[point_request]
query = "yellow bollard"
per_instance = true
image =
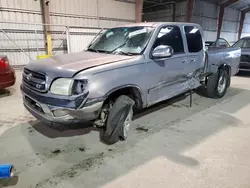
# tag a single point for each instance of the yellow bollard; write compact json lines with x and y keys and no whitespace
{"x":49,"y":45}
{"x":43,"y":56}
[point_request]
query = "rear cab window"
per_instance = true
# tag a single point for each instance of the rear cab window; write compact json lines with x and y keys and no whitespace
{"x":194,"y":39}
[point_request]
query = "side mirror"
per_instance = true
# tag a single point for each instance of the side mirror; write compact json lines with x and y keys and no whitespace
{"x":163,"y":51}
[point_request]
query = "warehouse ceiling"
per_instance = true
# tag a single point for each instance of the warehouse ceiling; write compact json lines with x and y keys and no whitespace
{"x":150,"y":5}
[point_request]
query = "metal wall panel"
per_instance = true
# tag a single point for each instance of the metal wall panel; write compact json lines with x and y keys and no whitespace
{"x":246,"y":28}
{"x":231,"y":15}
{"x":163,"y":15}
{"x":245,"y":35}
{"x":208,"y":24}
{"x":180,"y":18}
{"x":116,"y":9}
{"x":230,"y":37}
{"x":111,"y":23}
{"x":181,"y":8}
{"x":74,"y":21}
{"x":206,"y":14}
{"x":21,"y":4}
{"x":20,"y":17}
{"x":205,"y":9}
{"x":228,"y":26}
{"x":74,"y":7}
{"x":247,"y":18}
{"x":210,"y":35}
{"x":86,"y":13}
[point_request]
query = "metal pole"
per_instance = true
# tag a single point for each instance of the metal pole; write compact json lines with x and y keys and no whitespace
{"x":174,"y":12}
{"x":68,"y":39}
{"x":97,"y":9}
{"x":190,"y":9}
{"x":46,"y":21}
{"x":36,"y":43}
{"x":138,"y":10}
{"x":15,"y":43}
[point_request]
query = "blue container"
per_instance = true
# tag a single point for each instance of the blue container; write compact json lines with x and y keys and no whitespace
{"x":6,"y":171}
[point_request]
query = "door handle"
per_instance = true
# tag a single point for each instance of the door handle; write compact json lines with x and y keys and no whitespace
{"x":192,"y":61}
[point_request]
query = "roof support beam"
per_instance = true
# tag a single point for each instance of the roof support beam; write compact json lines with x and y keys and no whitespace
{"x":190,"y":9}
{"x":221,"y":14}
{"x":242,"y":19}
{"x":138,"y":10}
{"x":174,"y":12}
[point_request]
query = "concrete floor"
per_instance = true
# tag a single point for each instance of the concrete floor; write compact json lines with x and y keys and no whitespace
{"x":206,"y":146}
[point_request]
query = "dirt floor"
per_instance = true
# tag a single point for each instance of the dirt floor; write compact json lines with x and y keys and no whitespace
{"x":170,"y":145}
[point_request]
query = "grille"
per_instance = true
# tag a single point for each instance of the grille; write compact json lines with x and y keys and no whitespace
{"x":245,"y":58}
{"x":34,"y":80}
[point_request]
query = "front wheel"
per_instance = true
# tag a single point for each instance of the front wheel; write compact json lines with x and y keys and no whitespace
{"x":119,"y":120}
{"x":217,"y":84}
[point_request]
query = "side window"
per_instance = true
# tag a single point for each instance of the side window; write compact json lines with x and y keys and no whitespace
{"x":239,"y":44}
{"x":222,"y":43}
{"x":171,"y":36}
{"x":246,"y":44}
{"x":194,"y":39}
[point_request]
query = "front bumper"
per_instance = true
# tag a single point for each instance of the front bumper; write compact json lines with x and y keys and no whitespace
{"x":46,"y":113}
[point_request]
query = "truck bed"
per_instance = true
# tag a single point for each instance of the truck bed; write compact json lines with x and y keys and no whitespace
{"x":218,"y":56}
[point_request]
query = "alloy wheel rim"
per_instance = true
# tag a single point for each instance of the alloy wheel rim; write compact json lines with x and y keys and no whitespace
{"x":222,"y":83}
{"x":127,"y":124}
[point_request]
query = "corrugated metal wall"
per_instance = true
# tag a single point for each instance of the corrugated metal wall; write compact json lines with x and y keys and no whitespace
{"x":166,"y":15}
{"x":181,"y":10}
{"x":78,"y":14}
{"x":161,"y":15}
{"x":246,"y":27}
{"x":92,"y":13}
{"x":206,"y":14}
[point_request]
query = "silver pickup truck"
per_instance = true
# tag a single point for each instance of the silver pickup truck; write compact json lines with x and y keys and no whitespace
{"x":126,"y":68}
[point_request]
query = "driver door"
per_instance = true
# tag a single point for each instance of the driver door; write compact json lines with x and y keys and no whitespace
{"x":165,"y":75}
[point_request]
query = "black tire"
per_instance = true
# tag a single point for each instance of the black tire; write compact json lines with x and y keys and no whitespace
{"x":213,"y":83}
{"x":115,"y":122}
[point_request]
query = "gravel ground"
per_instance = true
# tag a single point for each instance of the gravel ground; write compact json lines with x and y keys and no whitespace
{"x":170,"y":145}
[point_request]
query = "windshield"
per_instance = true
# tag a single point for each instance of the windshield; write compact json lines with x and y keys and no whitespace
{"x":243,"y":43}
{"x":122,"y":40}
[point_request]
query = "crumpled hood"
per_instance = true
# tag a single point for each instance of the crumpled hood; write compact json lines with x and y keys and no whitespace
{"x":67,"y":65}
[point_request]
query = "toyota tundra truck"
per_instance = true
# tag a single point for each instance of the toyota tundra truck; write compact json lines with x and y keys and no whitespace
{"x":124,"y":69}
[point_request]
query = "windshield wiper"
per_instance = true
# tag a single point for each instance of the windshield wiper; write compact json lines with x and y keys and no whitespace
{"x":93,"y":50}
{"x":98,"y":51}
{"x":125,"y":53}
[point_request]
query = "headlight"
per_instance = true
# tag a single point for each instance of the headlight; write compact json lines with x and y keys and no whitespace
{"x":68,"y":86}
{"x":62,"y":86}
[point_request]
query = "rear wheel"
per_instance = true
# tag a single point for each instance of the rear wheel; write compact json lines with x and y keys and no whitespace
{"x":119,"y":120}
{"x":217,"y":84}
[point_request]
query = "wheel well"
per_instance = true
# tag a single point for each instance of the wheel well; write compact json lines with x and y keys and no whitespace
{"x":132,"y":92}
